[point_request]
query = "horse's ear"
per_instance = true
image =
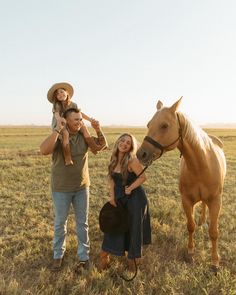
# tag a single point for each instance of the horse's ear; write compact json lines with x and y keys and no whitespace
{"x":176,"y":105}
{"x":159,"y":105}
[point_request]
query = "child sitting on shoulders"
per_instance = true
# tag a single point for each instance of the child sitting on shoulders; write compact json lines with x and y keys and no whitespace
{"x":60,"y":95}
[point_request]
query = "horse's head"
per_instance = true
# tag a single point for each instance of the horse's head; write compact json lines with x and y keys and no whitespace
{"x":163,"y":133}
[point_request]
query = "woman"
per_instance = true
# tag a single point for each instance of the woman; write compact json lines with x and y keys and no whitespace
{"x":124,"y":184}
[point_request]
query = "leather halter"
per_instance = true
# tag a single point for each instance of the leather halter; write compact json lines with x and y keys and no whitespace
{"x":163,"y":147}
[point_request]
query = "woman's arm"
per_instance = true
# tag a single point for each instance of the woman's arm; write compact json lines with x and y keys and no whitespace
{"x":137,"y":168}
{"x":111,"y":186}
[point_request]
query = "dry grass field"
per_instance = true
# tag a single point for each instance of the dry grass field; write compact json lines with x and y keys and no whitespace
{"x":26,"y":226}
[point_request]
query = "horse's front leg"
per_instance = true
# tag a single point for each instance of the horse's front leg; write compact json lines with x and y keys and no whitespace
{"x":188,"y":209}
{"x":214,"y":210}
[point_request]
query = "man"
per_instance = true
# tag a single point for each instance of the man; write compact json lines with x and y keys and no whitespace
{"x":70,"y":184}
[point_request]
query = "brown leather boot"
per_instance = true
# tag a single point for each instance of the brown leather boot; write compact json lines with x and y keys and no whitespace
{"x":104,"y":260}
{"x":131,"y":264}
{"x":56,"y":264}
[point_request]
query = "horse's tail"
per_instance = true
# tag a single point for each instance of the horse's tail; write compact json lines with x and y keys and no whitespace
{"x":202,"y":219}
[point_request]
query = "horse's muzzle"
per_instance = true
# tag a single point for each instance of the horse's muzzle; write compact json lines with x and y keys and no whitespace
{"x":144,"y":156}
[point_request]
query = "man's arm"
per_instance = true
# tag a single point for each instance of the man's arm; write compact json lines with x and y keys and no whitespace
{"x":98,"y":143}
{"x":47,"y":146}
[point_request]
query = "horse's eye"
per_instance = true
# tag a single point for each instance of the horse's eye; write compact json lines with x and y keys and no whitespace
{"x":164,"y":126}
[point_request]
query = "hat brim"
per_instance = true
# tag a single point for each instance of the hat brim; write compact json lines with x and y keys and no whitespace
{"x":113,"y":219}
{"x":60,"y":85}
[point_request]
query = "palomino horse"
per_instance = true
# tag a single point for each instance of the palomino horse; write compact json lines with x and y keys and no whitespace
{"x":202,"y":168}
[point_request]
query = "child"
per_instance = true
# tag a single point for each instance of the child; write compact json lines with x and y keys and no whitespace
{"x":60,"y":96}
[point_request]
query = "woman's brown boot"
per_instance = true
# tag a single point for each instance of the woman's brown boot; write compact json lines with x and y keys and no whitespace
{"x":131,"y":264}
{"x":104,"y":260}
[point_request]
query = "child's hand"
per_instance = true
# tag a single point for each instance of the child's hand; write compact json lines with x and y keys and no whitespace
{"x":95,"y":124}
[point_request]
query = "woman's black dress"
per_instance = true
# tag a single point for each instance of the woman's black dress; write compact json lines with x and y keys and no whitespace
{"x":140,"y":229}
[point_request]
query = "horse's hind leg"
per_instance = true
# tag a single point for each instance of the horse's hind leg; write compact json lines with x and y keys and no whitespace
{"x":214,"y":209}
{"x":188,"y":209}
{"x":202,"y":219}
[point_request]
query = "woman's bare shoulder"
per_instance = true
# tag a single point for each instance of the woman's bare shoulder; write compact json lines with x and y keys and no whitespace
{"x":133,"y":162}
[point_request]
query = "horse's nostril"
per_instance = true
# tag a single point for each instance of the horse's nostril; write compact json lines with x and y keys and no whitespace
{"x":144,"y":155}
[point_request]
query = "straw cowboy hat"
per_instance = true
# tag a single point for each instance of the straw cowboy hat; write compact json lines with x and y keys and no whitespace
{"x":60,"y":85}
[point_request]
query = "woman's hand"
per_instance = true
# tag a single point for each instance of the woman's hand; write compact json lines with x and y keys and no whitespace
{"x":128,"y":190}
{"x":113,"y":202}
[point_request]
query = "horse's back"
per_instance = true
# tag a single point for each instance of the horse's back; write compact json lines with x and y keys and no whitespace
{"x":216,"y":140}
{"x":218,"y":155}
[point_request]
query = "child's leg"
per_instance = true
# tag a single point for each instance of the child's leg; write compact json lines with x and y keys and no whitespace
{"x":57,"y":115}
{"x":66,"y":147}
{"x":86,"y":117}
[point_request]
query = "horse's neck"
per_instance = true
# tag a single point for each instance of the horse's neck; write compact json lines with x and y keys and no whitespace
{"x":194,"y":157}
{"x":193,"y":147}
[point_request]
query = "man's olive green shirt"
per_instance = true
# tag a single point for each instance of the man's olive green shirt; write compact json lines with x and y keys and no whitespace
{"x":74,"y":177}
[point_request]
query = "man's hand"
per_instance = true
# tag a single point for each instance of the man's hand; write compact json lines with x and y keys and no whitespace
{"x":61,"y":122}
{"x":47,"y":146}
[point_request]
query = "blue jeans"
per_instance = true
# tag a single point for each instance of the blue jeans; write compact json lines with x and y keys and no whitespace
{"x":62,"y":203}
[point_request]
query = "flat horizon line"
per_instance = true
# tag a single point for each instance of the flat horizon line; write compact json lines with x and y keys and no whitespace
{"x":205,"y":125}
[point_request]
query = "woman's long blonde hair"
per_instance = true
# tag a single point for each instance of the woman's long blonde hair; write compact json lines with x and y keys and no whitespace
{"x":125,"y":160}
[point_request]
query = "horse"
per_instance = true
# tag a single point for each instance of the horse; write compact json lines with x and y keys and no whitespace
{"x":202,"y":167}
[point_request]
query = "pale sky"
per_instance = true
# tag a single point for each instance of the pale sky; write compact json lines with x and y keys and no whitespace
{"x":121,"y":56}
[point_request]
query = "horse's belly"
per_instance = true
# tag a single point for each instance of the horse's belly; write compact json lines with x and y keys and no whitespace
{"x":200,"y":191}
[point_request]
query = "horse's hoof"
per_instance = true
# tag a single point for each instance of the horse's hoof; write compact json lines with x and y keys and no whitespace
{"x":188,"y":258}
{"x":215,"y":269}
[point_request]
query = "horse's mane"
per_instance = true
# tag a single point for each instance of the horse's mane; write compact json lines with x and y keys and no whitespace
{"x":193,"y":133}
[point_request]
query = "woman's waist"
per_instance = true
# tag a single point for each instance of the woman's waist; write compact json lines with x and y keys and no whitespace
{"x":119,"y":191}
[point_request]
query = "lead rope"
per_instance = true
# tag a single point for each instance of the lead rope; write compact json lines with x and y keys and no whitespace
{"x":132,"y":241}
